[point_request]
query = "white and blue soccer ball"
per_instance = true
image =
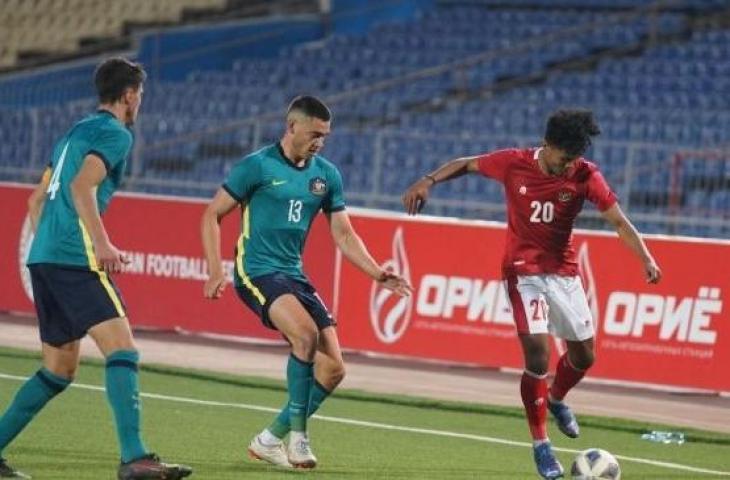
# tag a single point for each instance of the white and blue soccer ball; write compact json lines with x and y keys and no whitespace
{"x":595,"y":464}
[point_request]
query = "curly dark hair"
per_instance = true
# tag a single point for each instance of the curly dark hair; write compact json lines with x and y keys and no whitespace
{"x":571,"y":130}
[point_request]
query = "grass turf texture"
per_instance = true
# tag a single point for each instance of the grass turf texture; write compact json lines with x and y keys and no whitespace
{"x":74,"y":437}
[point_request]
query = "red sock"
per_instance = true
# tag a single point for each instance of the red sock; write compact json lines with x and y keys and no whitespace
{"x":534,"y":397}
{"x":566,"y":377}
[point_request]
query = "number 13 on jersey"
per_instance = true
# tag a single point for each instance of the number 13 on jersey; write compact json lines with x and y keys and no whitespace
{"x":295,"y":211}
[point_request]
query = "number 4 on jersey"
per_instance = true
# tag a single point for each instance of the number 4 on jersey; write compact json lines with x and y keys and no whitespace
{"x":55,"y":182}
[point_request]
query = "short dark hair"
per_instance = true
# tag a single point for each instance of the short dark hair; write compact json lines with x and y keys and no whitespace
{"x":114,"y":75}
{"x":311,"y":107}
{"x":571,"y":130}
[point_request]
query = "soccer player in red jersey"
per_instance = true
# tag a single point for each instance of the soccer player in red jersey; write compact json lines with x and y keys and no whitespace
{"x":545,"y":189}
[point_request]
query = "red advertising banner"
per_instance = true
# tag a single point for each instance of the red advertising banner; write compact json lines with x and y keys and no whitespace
{"x":163,"y":285}
{"x":676,"y":333}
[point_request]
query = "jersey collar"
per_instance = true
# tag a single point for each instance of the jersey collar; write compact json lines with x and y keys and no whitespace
{"x":288,"y":161}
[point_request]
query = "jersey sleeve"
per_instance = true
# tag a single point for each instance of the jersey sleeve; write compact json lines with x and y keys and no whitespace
{"x":112,"y":146}
{"x":335,"y":199}
{"x":494,"y":164}
{"x":599,"y":193}
{"x":243,"y":179}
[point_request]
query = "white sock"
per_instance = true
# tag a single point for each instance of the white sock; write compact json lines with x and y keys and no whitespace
{"x":269,"y":439}
{"x":537,"y":443}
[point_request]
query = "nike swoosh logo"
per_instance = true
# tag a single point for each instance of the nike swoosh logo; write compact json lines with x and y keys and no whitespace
{"x":276,"y":183}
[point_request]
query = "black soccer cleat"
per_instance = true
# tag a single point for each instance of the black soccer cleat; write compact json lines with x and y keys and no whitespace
{"x":150,"y":467}
{"x":6,"y":471}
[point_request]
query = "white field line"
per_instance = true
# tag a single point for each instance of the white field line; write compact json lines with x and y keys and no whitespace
{"x":385,"y":426}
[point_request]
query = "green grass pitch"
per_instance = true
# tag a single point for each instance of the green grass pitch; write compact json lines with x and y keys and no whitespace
{"x":206,"y":420}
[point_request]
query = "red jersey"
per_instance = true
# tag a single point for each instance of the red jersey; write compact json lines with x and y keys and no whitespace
{"x":541,"y":209}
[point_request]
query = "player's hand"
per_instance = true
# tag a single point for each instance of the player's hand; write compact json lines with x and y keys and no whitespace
{"x":109,"y":258}
{"x":215,"y":285}
{"x":415,"y":197}
{"x":653,"y":272}
{"x":396,"y":283}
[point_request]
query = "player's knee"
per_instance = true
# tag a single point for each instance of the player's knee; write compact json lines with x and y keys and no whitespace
{"x":304,"y":343}
{"x":585,"y":360}
{"x":537,"y":362}
{"x":337,"y":374}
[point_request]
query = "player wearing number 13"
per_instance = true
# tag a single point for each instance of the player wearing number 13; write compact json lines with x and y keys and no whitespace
{"x":280,"y":189}
{"x":545,"y":189}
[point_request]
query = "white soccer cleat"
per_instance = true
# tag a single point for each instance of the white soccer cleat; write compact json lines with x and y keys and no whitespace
{"x":300,"y":452}
{"x":273,"y":454}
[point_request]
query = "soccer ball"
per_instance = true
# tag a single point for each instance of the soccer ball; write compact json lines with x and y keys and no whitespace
{"x":595,"y":464}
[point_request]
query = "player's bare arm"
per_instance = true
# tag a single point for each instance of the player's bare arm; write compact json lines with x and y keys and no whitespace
{"x":38,"y":198}
{"x":210,"y":231}
{"x":630,"y":236}
{"x":83,"y":191}
{"x":352,"y":246}
{"x":414,"y":199}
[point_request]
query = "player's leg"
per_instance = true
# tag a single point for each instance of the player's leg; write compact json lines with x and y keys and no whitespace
{"x":529,"y":307}
{"x":572,"y":320}
{"x":290,"y":317}
{"x":114,"y":339}
{"x":277,"y":299}
{"x":533,"y":385}
{"x":60,"y":360}
{"x":329,"y":368}
{"x":329,"y":371}
{"x":533,"y":388}
{"x":572,"y":367}
{"x":59,"y":367}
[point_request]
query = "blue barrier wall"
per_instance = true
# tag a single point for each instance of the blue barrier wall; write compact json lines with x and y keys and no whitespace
{"x":359,"y":16}
{"x":171,"y":54}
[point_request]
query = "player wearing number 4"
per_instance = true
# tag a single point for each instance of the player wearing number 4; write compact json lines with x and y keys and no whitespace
{"x":280,"y":190}
{"x":70,"y":263}
{"x":545,"y":189}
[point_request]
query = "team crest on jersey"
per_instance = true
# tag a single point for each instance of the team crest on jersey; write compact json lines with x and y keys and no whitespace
{"x":318,"y":186}
{"x":565,"y":196}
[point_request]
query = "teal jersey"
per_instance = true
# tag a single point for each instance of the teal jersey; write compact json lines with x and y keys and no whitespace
{"x":61,"y":238}
{"x":281,"y":204}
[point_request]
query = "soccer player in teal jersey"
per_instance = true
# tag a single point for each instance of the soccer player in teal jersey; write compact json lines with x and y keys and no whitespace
{"x":70,"y":263}
{"x":281,"y":188}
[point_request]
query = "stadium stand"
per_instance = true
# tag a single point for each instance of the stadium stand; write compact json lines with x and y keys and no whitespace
{"x":483,"y":75}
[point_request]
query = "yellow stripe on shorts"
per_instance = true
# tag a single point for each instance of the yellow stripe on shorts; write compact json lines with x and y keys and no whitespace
{"x":245,"y":233}
{"x":102,"y":274}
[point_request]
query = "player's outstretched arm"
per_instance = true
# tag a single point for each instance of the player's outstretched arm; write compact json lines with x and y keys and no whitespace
{"x":38,"y":198}
{"x":83,"y":192}
{"x":210,"y":231}
{"x":630,"y":236}
{"x":352,"y":246}
{"x":416,"y":195}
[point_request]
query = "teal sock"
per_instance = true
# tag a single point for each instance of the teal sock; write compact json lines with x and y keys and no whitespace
{"x":299,"y":376}
{"x":281,"y":426}
{"x":32,"y":396}
{"x":122,"y":390}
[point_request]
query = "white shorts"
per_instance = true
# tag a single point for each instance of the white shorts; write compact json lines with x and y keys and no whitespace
{"x":550,"y":304}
